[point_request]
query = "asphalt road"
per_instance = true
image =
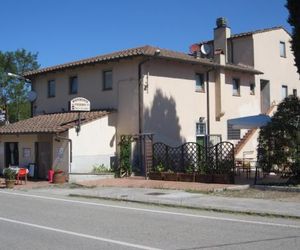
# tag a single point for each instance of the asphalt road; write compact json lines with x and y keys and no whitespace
{"x":34,"y":221}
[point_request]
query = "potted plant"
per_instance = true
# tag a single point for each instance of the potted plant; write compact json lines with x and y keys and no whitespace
{"x":10,"y":177}
{"x":156,"y":174}
{"x":170,"y":175}
{"x":59,"y":176}
{"x":188,"y":175}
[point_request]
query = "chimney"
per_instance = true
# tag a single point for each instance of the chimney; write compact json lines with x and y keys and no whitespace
{"x":221,"y":33}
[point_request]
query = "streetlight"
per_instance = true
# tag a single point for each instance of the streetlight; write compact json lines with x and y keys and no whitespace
{"x":19,"y":77}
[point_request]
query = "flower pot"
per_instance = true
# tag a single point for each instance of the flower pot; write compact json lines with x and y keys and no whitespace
{"x":10,"y":183}
{"x":155,"y":176}
{"x":186,"y":177}
{"x":204,"y":178}
{"x":59,"y":178}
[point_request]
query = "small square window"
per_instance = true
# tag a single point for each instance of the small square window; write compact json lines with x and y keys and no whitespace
{"x":107,"y":80}
{"x":73,"y":85}
{"x":236,"y":87}
{"x":51,"y":88}
{"x":200,"y":87}
{"x":295,"y":92}
{"x":284,"y":91}
{"x":252,"y":88}
{"x":282,"y":49}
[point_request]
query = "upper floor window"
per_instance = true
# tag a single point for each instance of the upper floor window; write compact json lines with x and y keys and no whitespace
{"x":282,"y":49}
{"x":236,"y":87}
{"x":284,"y":91}
{"x":107,"y":80}
{"x":51,"y":88}
{"x":73,"y":85}
{"x":200,"y":87}
{"x":295,"y":92}
{"x":252,"y":88}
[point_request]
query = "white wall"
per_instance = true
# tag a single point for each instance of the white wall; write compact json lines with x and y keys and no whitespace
{"x":94,"y":145}
{"x":278,"y":70}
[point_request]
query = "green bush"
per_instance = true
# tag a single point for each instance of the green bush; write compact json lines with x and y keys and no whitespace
{"x":9,"y":174}
{"x":101,"y":168}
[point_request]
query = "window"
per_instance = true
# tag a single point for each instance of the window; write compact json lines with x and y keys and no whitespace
{"x":107,"y":80}
{"x":282,"y":49}
{"x":284,"y":91}
{"x":236,"y":87}
{"x":200,"y":128}
{"x":51,"y":88}
{"x":252,"y":88}
{"x":73,"y":85}
{"x":233,"y":134}
{"x":295,"y":92}
{"x":200,"y":83}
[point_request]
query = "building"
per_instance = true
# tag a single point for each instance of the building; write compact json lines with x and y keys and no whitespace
{"x":176,"y":96}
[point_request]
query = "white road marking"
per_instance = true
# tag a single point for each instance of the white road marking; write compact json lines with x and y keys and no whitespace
{"x":153,"y":211}
{"x":122,"y":243}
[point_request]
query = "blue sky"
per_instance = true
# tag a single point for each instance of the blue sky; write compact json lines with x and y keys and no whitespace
{"x":62,"y":31}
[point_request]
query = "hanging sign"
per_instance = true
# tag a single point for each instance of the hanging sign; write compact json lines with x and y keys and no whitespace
{"x":80,"y":104}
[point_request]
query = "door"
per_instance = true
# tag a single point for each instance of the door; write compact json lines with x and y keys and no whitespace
{"x":264,"y":96}
{"x":11,"y":154}
{"x":201,"y":140}
{"x":43,"y":159}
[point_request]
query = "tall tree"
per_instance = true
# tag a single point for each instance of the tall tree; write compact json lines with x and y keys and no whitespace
{"x":294,"y":20}
{"x":13,"y":91}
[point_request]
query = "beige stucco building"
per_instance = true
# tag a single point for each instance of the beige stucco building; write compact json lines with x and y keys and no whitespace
{"x":176,"y":96}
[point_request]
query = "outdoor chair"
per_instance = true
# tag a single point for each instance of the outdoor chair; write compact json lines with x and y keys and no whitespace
{"x":22,"y":173}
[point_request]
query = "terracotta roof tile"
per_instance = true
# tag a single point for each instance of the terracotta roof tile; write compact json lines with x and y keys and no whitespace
{"x":50,"y":123}
{"x":145,"y":51}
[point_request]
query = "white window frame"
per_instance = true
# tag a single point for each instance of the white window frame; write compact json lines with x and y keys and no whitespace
{"x":282,"y":49}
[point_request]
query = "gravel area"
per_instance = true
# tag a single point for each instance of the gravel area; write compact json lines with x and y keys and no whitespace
{"x":261,"y":194}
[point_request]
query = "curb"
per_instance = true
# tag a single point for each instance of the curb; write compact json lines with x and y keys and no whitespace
{"x":202,"y":208}
{"x":277,"y":188}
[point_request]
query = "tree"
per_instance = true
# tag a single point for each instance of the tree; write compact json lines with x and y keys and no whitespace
{"x":294,"y":20}
{"x":279,"y":140}
{"x":14,"y":91}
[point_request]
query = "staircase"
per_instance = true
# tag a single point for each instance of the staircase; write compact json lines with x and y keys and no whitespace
{"x":238,"y":147}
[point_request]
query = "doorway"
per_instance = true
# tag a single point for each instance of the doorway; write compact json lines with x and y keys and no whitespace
{"x":11,"y":154}
{"x":43,"y":159}
{"x":264,"y":96}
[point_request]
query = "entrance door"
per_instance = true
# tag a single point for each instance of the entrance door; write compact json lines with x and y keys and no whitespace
{"x":11,"y":154}
{"x":264,"y":96}
{"x":43,"y":159}
{"x":201,"y":140}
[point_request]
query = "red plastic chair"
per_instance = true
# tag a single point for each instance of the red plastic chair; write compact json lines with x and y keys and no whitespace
{"x":22,"y":174}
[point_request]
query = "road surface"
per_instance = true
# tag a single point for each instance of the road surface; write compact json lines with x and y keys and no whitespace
{"x":30,"y":220}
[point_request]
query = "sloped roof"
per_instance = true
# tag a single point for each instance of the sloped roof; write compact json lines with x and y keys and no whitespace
{"x":50,"y":123}
{"x":249,"y":33}
{"x":145,"y":51}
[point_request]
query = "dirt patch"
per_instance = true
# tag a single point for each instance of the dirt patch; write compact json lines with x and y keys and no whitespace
{"x":261,"y":194}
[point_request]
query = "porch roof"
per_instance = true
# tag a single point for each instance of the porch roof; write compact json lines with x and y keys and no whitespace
{"x":51,"y":123}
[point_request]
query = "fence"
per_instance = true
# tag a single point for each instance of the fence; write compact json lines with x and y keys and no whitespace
{"x":192,"y":157}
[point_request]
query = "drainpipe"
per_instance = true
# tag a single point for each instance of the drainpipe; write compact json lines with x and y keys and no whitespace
{"x":71,"y":146}
{"x":207,"y":104}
